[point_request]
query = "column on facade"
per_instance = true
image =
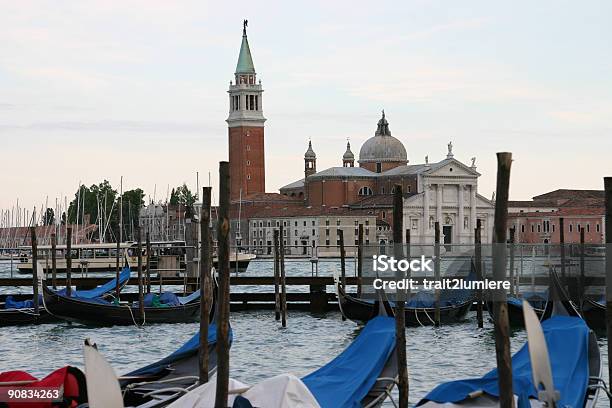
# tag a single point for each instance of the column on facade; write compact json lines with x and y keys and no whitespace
{"x":473,"y":206}
{"x":426,"y":209}
{"x":439,"y":204}
{"x":460,"y":217}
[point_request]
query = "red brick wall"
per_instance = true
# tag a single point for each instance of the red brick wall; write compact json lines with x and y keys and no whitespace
{"x":590,"y":236}
{"x":246,"y":157}
{"x":385,"y":166}
{"x":336,"y":193}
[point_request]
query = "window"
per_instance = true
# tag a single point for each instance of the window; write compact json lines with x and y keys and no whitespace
{"x":408,"y":189}
{"x":367,"y":231}
{"x":356,"y":242}
{"x":384,"y":215}
{"x":597,"y":227}
{"x":327,"y":232}
{"x":356,"y":231}
{"x":248,"y":162}
{"x":313,"y":223}
{"x":578,"y":227}
{"x":327,"y":222}
{"x":284,"y":233}
{"x":327,"y":242}
{"x":304,"y":223}
{"x":313,"y":232}
{"x":248,"y":147}
{"x":284,"y":223}
{"x":379,"y":167}
{"x":295,"y":243}
{"x":256,"y":102}
{"x":367,"y":242}
{"x":295,"y":224}
{"x":523,"y":228}
{"x":588,"y":228}
{"x":539,"y":228}
{"x":277,"y":223}
{"x":338,"y":222}
{"x":254,"y":223}
{"x":268,"y":224}
{"x":367,"y":222}
{"x":356,"y":223}
{"x":532,"y":229}
{"x":260,"y":224}
{"x":248,"y":176}
{"x":296,"y":232}
{"x":570,"y":228}
{"x":365,"y":191}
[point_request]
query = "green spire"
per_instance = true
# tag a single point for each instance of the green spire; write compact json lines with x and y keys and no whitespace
{"x":245,"y":61}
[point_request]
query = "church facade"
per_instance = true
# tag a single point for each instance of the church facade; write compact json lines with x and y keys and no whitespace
{"x":445,"y":192}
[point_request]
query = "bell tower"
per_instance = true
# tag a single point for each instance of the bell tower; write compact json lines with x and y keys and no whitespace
{"x":246,"y":127}
{"x":310,"y":161}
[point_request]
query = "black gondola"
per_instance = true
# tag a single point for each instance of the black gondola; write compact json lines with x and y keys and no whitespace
{"x":27,"y":315}
{"x":515,"y":310}
{"x":361,"y":310}
{"x":96,"y":312}
{"x":594,"y":313}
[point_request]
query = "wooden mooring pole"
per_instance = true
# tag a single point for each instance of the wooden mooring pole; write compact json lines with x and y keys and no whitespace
{"x":608,"y":234}
{"x":562,"y":250}
{"x":342,"y":263}
{"x":69,"y":261}
{"x":205,"y":292}
{"x":223,"y":251}
{"x":54,"y":261}
{"x":283,"y":278}
{"x":512,"y":277}
{"x":277,"y":301}
{"x":400,"y":316}
{"x":581,"y":282}
{"x":479,"y":277}
{"x":148,"y":278}
{"x":437,"y":272}
{"x":359,"y":258}
{"x":141,"y":310}
{"x":500,"y":305}
{"x":34,"y":267}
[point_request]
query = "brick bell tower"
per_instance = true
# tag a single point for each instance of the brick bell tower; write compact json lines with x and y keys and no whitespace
{"x":246,"y":127}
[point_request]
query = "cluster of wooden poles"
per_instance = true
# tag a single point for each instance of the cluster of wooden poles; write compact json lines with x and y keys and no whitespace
{"x":501,"y":323}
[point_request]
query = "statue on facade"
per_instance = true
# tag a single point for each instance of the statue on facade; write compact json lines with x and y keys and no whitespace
{"x":473,"y":162}
{"x":450,"y":149}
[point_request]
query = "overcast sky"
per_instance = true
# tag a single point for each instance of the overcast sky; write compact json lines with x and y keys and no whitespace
{"x":93,"y":90}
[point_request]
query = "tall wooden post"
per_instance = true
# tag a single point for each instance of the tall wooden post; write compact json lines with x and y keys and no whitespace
{"x":437,"y":272}
{"x":500,"y":305}
{"x":581,"y":283}
{"x":34,"y":267}
{"x":54,"y":261}
{"x":205,"y":292}
{"x":117,"y":270}
{"x":400,"y":313}
{"x":140,"y":283}
{"x":479,"y":277}
{"x":359,"y":258}
{"x":512,"y":277}
{"x":223,"y":254}
{"x":277,"y":301}
{"x":342,"y":262}
{"x":608,"y":234}
{"x":148,"y":278}
{"x":282,"y":276}
{"x":69,"y":261}
{"x":562,"y":248}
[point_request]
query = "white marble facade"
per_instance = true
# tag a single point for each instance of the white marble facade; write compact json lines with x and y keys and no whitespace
{"x":448,"y":194}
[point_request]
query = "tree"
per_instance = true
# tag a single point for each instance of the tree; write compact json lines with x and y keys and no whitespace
{"x":49,"y":217}
{"x":183,"y":196}
{"x":133,"y":201}
{"x":96,"y":203}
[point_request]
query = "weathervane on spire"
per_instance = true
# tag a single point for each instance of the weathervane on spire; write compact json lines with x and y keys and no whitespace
{"x":245,"y":24}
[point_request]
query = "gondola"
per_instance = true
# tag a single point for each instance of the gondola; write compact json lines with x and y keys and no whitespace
{"x":101,"y":312}
{"x":576,"y":370}
{"x":420,"y":310}
{"x":515,"y":308}
{"x":594,"y":312}
{"x":364,"y":374}
{"x":23,"y":313}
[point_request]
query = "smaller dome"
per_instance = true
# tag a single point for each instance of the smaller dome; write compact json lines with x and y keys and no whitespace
{"x":348,"y":155}
{"x":310,"y":154}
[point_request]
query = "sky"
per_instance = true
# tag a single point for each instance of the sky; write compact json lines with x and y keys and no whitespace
{"x":94,"y":90}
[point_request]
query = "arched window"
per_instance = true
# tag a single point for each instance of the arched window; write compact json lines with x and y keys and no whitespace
{"x":365,"y":191}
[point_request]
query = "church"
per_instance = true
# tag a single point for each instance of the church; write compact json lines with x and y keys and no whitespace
{"x":445,"y":191}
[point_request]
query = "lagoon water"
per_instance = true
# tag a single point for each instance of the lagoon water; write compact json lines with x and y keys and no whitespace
{"x":261,"y":348}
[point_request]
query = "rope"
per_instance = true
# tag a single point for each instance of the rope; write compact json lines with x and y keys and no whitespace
{"x":429,"y":317}
{"x":144,"y":317}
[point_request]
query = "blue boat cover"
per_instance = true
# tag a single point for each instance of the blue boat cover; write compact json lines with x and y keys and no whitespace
{"x":567,"y":339}
{"x":10,"y":303}
{"x":348,"y":378}
{"x":183,"y":300}
{"x":101,"y":290}
{"x":186,"y":350}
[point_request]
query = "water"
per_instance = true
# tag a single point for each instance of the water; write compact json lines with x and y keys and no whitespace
{"x":261,"y":347}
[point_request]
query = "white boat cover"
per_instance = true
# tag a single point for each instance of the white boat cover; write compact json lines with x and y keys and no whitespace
{"x":282,"y":391}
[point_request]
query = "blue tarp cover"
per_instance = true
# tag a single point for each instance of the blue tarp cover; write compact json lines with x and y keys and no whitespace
{"x":348,"y":378}
{"x":9,"y":303}
{"x":186,"y":350}
{"x":567,"y":339}
{"x":100,"y":290}
{"x":183,"y":300}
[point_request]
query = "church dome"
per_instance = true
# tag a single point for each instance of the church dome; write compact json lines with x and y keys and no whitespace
{"x":383,"y":147}
{"x":310,"y":154}
{"x":348,"y":155}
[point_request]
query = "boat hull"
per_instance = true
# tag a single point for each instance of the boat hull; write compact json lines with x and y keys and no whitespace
{"x":359,"y":310}
{"x":78,"y":311}
{"x":16,"y":317}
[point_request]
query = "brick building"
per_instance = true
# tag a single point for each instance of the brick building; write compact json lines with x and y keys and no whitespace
{"x":538,"y":221}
